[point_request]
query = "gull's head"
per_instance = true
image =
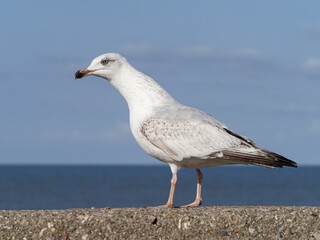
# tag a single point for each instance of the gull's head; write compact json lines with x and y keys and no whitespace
{"x":105,"y":66}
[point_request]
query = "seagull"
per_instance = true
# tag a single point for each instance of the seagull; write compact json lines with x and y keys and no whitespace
{"x":173,"y":133}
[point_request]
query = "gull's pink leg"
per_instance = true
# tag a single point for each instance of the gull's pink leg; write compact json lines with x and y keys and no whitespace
{"x":170,"y":199}
{"x":198,"y":199}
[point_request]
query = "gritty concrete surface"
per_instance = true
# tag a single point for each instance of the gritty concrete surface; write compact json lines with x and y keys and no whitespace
{"x":138,"y":223}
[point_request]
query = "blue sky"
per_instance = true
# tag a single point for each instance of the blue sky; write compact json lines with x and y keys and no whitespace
{"x":253,"y":65}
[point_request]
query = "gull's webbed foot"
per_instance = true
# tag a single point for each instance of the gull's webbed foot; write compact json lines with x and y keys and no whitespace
{"x":162,"y":206}
{"x":196,"y":203}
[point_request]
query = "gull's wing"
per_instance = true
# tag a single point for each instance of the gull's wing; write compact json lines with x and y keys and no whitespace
{"x":198,"y":135}
{"x":187,"y":139}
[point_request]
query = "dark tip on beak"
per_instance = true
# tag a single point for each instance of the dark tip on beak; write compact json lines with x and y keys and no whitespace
{"x":79,"y":74}
{"x":82,"y":73}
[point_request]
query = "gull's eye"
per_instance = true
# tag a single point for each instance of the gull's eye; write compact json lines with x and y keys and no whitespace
{"x":105,"y":61}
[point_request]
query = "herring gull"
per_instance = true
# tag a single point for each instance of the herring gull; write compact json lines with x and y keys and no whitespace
{"x":174,"y":133}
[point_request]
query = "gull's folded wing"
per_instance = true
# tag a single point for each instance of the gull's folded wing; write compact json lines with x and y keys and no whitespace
{"x":202,"y":139}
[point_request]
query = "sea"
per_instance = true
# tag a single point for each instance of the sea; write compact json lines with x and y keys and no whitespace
{"x":62,"y":187}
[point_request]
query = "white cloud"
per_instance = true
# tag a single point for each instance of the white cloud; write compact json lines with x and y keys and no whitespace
{"x":244,"y":63}
{"x":197,"y":52}
{"x":141,"y":50}
{"x":119,"y":132}
{"x":312,"y":67}
{"x":241,"y":56}
{"x":250,"y":53}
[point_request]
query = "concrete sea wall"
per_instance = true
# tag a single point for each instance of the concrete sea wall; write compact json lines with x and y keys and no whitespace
{"x":139,"y":223}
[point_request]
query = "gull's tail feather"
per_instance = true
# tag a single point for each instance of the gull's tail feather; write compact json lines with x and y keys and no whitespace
{"x":259,"y":158}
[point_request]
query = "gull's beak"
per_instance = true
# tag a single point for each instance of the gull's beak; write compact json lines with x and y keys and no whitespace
{"x":82,"y":73}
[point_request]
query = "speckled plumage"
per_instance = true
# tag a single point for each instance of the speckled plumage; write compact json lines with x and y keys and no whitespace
{"x":174,"y":133}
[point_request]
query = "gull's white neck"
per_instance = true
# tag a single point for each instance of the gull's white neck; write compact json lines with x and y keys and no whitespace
{"x":140,"y":91}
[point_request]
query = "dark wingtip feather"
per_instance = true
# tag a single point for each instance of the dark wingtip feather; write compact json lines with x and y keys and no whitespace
{"x":281,"y":160}
{"x":260,"y":158}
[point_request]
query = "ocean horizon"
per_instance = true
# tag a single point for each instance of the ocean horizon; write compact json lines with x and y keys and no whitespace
{"x":85,"y":186}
